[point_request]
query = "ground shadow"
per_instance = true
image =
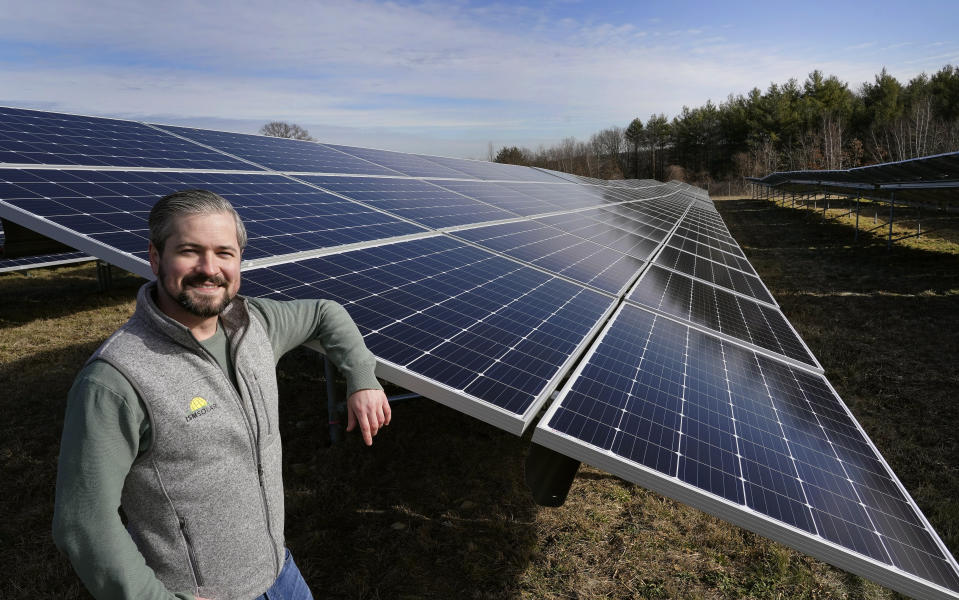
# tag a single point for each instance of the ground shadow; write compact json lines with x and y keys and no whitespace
{"x":51,"y":293}
{"x":436,"y":508}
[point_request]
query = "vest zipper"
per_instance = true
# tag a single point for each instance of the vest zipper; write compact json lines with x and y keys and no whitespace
{"x":194,"y":565}
{"x":265,"y":505}
{"x":254,"y":435}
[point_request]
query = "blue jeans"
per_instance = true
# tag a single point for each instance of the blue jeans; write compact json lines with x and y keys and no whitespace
{"x":290,"y":585}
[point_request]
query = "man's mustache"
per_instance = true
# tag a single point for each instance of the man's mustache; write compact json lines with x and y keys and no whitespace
{"x":203,"y":279}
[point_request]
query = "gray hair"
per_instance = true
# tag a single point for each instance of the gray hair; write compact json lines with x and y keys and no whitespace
{"x":189,"y":202}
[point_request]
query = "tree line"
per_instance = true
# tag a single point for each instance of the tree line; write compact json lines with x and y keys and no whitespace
{"x":818,"y":124}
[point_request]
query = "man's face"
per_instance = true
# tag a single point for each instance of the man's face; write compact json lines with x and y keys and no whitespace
{"x":198,"y":273}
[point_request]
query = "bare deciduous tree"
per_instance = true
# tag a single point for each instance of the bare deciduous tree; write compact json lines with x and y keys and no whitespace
{"x":609,"y":146}
{"x":286,"y":130}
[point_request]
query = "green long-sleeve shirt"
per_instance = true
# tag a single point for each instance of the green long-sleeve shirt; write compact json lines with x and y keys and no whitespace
{"x":107,"y":427}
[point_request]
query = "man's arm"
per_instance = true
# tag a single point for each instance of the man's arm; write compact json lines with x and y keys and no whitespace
{"x":290,"y":324}
{"x":101,"y":438}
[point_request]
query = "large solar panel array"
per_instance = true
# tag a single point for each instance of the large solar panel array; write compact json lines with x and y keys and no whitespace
{"x":487,"y":287}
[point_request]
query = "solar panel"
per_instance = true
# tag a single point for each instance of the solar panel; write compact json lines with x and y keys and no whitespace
{"x":558,"y":252}
{"x":703,"y":238}
{"x":481,"y":333}
{"x":923,"y":179}
{"x":714,"y":272}
{"x":30,"y":137}
{"x":587,"y":225}
{"x":492,"y":171}
{"x":420,"y":201}
{"x":407,"y":164}
{"x":560,"y":196}
{"x":629,"y":221}
{"x":500,"y":196}
{"x":105,"y":212}
{"x":652,"y":216}
{"x":696,"y":302}
{"x":760,"y":443}
{"x":733,"y":261}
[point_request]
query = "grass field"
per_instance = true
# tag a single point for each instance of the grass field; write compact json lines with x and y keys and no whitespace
{"x":437,"y":508}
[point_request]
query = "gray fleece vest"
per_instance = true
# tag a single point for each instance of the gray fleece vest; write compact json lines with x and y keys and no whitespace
{"x":205,"y":503}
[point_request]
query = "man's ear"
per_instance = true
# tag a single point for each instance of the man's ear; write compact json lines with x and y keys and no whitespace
{"x":154,"y":259}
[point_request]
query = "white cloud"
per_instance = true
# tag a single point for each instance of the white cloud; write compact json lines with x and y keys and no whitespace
{"x":457,"y":73}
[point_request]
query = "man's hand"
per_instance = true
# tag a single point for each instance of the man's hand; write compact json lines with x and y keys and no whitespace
{"x":370,"y":409}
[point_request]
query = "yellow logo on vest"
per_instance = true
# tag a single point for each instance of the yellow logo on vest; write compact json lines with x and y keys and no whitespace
{"x":199,"y":407}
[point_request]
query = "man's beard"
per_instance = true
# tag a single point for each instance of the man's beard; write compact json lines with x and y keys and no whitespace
{"x":201,"y":306}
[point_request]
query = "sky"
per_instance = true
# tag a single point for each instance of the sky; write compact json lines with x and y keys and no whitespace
{"x":445,"y":77}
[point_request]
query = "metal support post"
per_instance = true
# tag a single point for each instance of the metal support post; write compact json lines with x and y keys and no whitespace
{"x":857,"y":216}
{"x":549,"y":475}
{"x":104,"y":275}
{"x":892,"y":206}
{"x":336,"y":404}
{"x":333,"y":402}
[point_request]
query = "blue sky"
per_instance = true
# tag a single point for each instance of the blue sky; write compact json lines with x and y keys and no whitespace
{"x":444,"y":77}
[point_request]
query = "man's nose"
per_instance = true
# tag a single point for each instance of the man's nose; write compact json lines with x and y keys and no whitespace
{"x":208,"y":264}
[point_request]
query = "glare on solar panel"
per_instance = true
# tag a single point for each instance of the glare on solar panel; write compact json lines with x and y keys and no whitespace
{"x":420,"y":201}
{"x":282,"y":154}
{"x":33,"y":138}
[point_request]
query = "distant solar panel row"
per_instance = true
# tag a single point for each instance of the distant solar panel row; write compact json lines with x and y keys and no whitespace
{"x":925,"y":179}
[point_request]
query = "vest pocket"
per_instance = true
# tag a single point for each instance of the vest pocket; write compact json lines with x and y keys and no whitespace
{"x":191,"y":554}
{"x":264,"y":403}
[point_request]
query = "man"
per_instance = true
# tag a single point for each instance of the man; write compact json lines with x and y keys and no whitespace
{"x":174,"y":419}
